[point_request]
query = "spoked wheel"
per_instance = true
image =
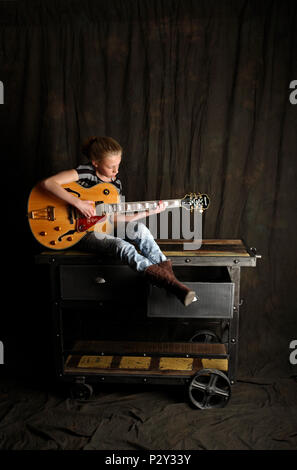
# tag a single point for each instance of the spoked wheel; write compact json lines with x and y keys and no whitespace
{"x":210,"y":388}
{"x":204,"y":336}
{"x":81,"y":391}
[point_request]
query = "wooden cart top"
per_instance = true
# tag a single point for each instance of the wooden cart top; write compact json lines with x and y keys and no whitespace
{"x":210,"y":247}
{"x":211,"y":251}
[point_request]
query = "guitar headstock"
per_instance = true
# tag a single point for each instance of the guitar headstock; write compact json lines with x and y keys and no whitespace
{"x":193,"y":201}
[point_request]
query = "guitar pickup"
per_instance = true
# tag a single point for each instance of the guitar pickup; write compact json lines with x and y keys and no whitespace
{"x":70,"y":214}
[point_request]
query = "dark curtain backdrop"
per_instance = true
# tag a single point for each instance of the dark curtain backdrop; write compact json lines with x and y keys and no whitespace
{"x":197,"y":93}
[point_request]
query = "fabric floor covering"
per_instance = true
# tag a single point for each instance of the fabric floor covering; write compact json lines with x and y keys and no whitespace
{"x":261,"y":415}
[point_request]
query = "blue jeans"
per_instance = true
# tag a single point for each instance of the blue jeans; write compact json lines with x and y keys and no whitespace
{"x":149,"y":251}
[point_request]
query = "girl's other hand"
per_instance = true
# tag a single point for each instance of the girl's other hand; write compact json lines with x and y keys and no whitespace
{"x":160,"y":208}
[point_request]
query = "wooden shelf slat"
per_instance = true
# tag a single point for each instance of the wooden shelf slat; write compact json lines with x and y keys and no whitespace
{"x":147,"y":347}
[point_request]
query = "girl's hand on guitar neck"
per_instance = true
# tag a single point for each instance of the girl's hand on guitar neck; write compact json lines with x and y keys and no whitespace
{"x":160,"y":208}
{"x":86,"y":208}
{"x":140,"y":215}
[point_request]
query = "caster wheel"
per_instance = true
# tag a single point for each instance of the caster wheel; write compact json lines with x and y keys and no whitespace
{"x":210,"y":388}
{"x":204,"y":336}
{"x":81,"y":391}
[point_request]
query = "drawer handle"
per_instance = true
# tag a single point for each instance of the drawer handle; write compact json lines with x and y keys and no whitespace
{"x":99,"y":280}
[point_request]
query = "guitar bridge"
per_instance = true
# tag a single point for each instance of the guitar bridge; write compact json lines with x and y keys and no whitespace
{"x":46,"y":213}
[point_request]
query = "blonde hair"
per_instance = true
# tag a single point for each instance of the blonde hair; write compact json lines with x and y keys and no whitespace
{"x":98,"y":148}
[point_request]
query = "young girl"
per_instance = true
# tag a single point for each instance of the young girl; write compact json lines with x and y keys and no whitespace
{"x":104,"y":155}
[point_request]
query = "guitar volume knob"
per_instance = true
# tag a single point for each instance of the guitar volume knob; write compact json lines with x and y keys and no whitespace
{"x":43,"y":234}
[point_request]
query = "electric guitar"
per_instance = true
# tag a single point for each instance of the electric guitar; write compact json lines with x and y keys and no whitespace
{"x":59,"y":225}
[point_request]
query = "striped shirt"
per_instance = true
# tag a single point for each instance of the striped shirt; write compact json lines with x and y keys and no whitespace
{"x":88,"y":178}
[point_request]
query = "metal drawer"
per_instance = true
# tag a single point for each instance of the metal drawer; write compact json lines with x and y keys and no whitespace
{"x":213,"y":286}
{"x":80,"y":282}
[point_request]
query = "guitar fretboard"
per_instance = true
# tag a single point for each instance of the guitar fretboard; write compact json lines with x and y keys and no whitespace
{"x":139,"y":206}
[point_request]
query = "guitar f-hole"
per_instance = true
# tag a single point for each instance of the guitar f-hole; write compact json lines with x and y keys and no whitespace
{"x":70,"y":232}
{"x":72,"y":191}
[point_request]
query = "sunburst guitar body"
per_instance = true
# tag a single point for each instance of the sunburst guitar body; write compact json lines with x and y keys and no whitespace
{"x":58,"y":225}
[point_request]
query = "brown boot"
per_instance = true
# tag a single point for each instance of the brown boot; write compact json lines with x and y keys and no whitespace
{"x":162,"y":275}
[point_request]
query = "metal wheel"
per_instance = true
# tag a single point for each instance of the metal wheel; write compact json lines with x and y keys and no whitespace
{"x":81,"y":391}
{"x":204,"y":336}
{"x":210,"y":388}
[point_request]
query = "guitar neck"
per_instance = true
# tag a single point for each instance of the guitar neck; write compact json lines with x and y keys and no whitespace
{"x":138,"y":206}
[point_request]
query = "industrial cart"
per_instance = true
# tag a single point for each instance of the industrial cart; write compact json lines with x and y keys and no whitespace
{"x":110,"y":325}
